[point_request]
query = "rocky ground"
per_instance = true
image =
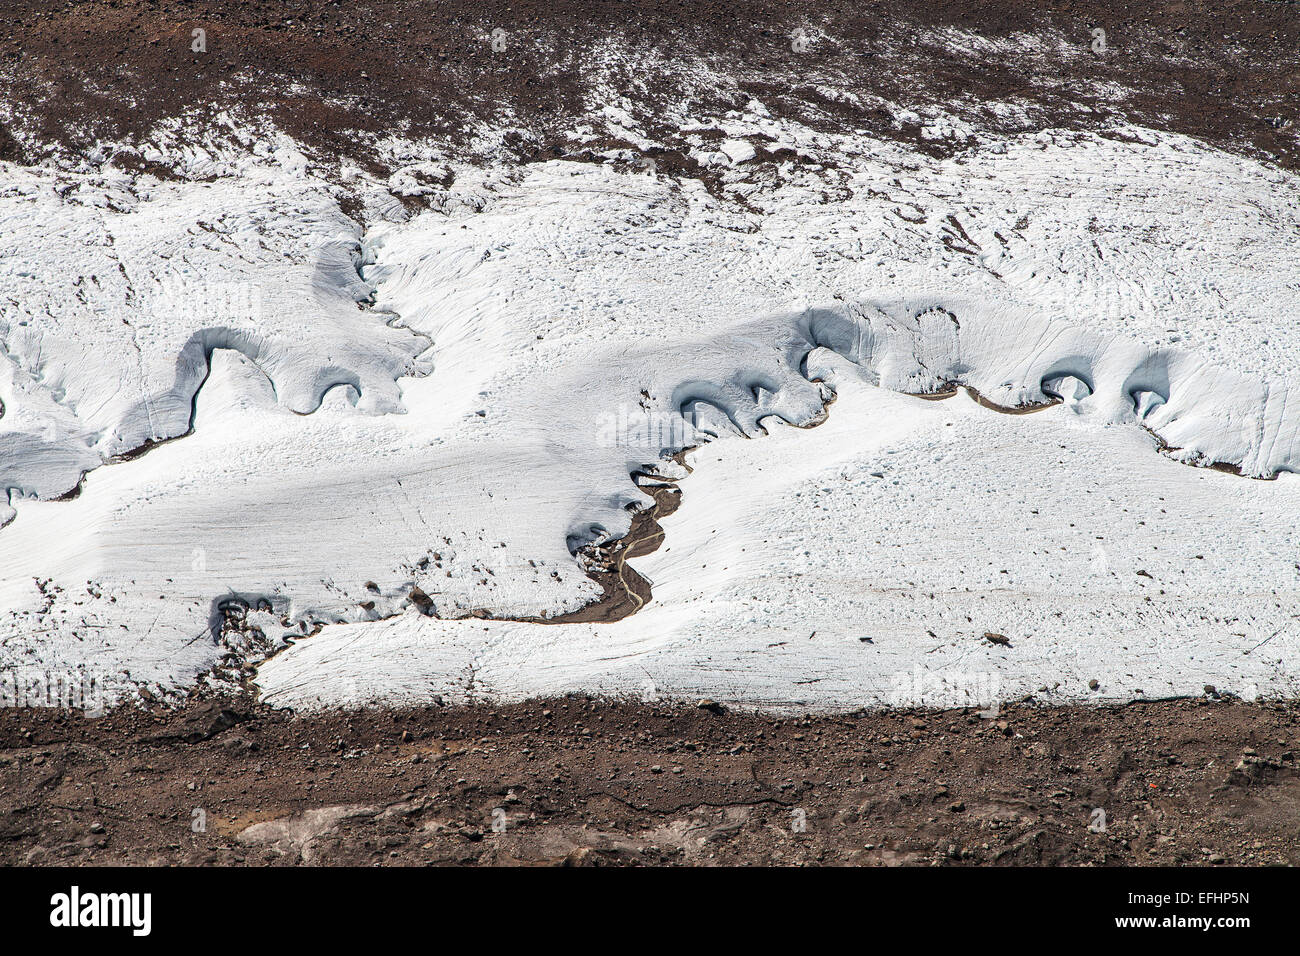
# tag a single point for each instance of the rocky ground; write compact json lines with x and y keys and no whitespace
{"x":582,"y":782}
{"x":339,"y":76}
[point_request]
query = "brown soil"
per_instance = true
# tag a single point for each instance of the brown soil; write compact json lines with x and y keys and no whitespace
{"x":575,"y":781}
{"x":623,"y":590}
{"x":111,"y":70}
{"x":948,"y":391}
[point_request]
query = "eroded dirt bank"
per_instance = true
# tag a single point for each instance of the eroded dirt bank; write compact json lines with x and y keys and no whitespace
{"x":575,"y":781}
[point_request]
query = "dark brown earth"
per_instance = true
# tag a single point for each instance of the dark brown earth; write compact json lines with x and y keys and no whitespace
{"x":624,"y":591}
{"x":330,"y":73}
{"x":576,"y":781}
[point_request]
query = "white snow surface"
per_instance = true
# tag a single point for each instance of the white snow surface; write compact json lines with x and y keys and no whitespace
{"x":457,"y":400}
